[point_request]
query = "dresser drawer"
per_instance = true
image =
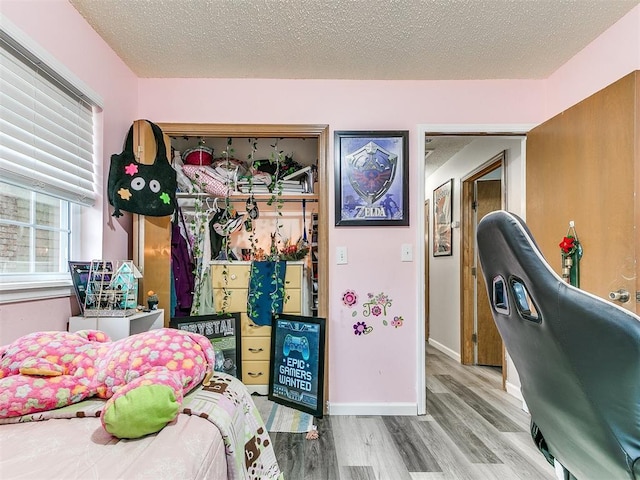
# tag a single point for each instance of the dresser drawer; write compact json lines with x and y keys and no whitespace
{"x":255,"y":372}
{"x":292,"y":305}
{"x":292,"y":277}
{"x":250,"y":329}
{"x":256,"y":348}
{"x":237,"y":275}
{"x":236,"y":301}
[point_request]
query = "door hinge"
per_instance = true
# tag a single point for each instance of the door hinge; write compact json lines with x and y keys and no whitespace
{"x":474,"y":205}
{"x":473,"y":271}
{"x":474,"y":337}
{"x":637,"y":296}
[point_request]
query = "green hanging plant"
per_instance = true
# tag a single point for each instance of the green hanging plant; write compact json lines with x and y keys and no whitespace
{"x":277,"y":189}
{"x":253,"y":244}
{"x":197,"y":227}
{"x":229,"y":211}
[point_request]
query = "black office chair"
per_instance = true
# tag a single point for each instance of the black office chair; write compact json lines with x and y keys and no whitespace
{"x":577,"y":356}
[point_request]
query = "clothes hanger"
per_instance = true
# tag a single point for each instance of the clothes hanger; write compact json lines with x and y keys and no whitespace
{"x":212,"y":205}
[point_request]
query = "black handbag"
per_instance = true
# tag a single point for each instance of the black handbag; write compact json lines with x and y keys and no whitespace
{"x":138,"y":188}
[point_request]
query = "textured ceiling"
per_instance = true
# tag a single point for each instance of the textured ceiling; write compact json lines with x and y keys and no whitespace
{"x":349,"y":39}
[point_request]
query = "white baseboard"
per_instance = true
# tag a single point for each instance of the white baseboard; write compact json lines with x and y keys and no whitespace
{"x":373,"y":409}
{"x":446,"y":350}
{"x":514,"y":390}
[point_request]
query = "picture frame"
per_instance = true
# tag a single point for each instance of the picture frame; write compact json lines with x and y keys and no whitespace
{"x":296,"y":363}
{"x":223,"y":330}
{"x":371,"y":178}
{"x":442,"y":218}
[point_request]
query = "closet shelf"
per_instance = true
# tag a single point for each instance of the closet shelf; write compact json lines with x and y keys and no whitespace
{"x":259,"y":197}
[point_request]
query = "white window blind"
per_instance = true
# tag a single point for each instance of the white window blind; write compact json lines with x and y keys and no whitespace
{"x":46,"y":128}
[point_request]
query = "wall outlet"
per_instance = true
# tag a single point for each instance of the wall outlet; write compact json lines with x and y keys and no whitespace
{"x":406,"y":254}
{"x":341,"y":255}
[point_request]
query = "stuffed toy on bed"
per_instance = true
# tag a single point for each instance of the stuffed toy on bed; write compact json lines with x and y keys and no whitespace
{"x":144,"y":376}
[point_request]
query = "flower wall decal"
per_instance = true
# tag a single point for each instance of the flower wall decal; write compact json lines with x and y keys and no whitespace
{"x":361,"y":328}
{"x":350,"y":298}
{"x":397,"y":321}
{"x":375,"y":307}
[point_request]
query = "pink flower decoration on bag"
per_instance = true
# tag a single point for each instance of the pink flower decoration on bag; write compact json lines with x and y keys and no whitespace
{"x":131,"y":169}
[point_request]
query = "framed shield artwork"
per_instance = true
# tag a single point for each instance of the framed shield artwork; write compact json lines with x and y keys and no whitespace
{"x":442,"y":218}
{"x":371,"y":178}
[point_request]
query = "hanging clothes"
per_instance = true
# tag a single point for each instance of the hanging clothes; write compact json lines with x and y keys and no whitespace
{"x":202,"y":246}
{"x":182,"y":269}
{"x":206,"y":305}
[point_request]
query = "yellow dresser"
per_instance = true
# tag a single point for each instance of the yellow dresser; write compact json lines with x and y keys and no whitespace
{"x":255,"y":339}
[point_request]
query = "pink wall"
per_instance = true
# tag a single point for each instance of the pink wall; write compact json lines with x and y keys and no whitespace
{"x":359,"y":366}
{"x":59,"y":29}
{"x":378,"y":368}
{"x":611,"y":56}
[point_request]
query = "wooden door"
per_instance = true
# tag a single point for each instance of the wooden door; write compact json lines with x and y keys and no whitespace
{"x":152,"y":240}
{"x":489,"y":342}
{"x":582,"y":166}
{"x":493,"y":170}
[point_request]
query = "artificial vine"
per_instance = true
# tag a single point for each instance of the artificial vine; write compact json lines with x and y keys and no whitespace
{"x":277,"y":156}
{"x":197,"y":227}
{"x":275,"y":281}
{"x":251,"y":207}
{"x":228,"y":212}
{"x":277,"y":189}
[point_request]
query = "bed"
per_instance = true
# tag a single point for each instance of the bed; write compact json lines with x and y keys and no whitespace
{"x":218,"y":435}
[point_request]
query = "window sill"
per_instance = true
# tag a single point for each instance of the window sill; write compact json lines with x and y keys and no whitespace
{"x":23,"y":292}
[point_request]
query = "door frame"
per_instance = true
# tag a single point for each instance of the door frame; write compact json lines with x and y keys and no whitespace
{"x":480,"y":129}
{"x":468,"y":256}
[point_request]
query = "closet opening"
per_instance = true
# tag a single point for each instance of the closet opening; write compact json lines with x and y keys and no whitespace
{"x":300,"y":213}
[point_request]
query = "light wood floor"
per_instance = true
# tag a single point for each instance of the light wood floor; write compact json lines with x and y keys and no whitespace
{"x":472,"y":431}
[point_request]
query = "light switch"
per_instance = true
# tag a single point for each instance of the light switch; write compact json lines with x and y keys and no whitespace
{"x":341,"y":255}
{"x":406,"y":254}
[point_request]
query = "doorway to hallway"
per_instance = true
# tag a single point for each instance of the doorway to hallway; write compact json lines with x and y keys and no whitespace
{"x":482,"y":192}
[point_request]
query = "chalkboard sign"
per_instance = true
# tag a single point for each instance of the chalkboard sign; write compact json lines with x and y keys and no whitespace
{"x":224,"y":333}
{"x":297,"y":362}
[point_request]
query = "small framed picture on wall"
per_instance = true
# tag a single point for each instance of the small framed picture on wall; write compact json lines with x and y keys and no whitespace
{"x":442,"y":218}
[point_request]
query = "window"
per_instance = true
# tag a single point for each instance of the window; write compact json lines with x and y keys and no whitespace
{"x":35,"y":233}
{"x":47,"y":162}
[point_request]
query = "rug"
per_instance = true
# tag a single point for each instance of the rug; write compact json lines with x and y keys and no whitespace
{"x":279,"y":418}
